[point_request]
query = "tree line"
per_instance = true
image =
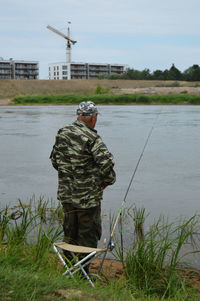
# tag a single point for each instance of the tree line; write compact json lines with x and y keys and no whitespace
{"x":190,"y":74}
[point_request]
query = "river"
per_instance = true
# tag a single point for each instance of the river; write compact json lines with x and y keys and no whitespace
{"x":168,"y":177}
{"x":167,"y":180}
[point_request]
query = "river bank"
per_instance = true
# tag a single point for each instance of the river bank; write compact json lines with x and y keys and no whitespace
{"x":5,"y":102}
{"x":10,"y":89}
{"x":153,"y":265}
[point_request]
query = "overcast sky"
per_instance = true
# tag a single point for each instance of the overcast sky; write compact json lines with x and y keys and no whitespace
{"x":140,"y":33}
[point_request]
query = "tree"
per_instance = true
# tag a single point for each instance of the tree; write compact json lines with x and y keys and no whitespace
{"x":174,"y":73}
{"x":145,"y":74}
{"x":132,"y":74}
{"x":192,"y":73}
{"x":158,"y":75}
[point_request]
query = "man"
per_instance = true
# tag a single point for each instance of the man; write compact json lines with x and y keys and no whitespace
{"x":85,"y":169}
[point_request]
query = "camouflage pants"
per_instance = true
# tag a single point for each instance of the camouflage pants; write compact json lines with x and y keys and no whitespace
{"x":81,"y":226}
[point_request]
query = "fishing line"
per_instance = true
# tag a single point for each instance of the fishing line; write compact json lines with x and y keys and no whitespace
{"x":110,"y":245}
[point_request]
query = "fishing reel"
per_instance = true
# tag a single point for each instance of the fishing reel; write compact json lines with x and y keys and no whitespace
{"x":112,"y":245}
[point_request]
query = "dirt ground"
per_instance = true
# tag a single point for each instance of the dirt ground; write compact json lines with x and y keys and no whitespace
{"x":5,"y":102}
{"x":113,"y":269}
{"x":159,"y":90}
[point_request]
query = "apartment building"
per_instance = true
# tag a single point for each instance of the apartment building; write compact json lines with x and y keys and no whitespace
{"x":83,"y":70}
{"x":12,"y":69}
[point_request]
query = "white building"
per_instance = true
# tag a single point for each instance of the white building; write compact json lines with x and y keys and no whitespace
{"x":12,"y":69}
{"x":74,"y":70}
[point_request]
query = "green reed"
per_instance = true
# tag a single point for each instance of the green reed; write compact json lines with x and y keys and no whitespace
{"x":4,"y":222}
{"x":44,"y":241}
{"x":152,"y":262}
{"x":34,"y":221}
{"x":22,"y":224}
{"x":138,"y":216}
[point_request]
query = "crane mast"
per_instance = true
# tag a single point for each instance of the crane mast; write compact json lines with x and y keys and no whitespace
{"x":68,"y":49}
{"x":68,"y":46}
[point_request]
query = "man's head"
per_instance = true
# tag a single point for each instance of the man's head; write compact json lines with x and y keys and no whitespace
{"x":87,"y":112}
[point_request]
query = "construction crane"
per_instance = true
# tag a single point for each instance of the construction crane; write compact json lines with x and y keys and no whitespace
{"x":69,"y":41}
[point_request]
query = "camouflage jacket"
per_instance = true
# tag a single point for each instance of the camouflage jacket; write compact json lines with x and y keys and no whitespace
{"x":84,"y":165}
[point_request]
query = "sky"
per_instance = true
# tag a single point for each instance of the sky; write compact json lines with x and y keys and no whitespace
{"x":139,"y":33}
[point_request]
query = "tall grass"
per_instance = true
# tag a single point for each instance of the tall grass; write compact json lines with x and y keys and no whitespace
{"x":138,"y":216}
{"x":152,"y":262}
{"x":44,"y":241}
{"x":4,"y":221}
{"x":32,"y":222}
{"x":110,"y":99}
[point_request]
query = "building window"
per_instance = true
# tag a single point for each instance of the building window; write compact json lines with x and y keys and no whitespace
{"x":64,"y":73}
{"x":64,"y":67}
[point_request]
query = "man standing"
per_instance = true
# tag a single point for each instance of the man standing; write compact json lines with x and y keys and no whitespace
{"x":85,"y":168}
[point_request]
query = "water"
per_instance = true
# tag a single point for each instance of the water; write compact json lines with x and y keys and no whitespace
{"x":168,"y":177}
{"x":167,"y":180}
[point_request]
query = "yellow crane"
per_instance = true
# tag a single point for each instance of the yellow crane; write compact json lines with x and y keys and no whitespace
{"x":69,"y":41}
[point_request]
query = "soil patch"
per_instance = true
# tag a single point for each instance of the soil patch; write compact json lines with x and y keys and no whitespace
{"x":5,"y":102}
{"x":112,"y":269}
{"x":159,"y":90}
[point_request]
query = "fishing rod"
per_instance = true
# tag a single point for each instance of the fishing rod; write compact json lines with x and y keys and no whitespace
{"x":110,"y":244}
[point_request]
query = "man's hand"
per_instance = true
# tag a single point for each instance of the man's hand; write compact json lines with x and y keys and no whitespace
{"x":105,"y":185}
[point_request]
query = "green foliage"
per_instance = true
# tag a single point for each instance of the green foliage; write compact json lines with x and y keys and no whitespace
{"x":4,"y":222}
{"x":138,"y":216}
{"x":26,"y":222}
{"x":192,"y":73}
{"x":29,"y":271}
{"x":44,"y":241}
{"x":174,"y":73}
{"x":114,"y":76}
{"x":18,"y":231}
{"x":103,"y":76}
{"x":101,"y":90}
{"x":112,"y":99}
{"x":152,"y":261}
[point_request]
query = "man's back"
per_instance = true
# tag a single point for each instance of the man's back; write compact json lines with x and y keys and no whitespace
{"x":84,"y":164}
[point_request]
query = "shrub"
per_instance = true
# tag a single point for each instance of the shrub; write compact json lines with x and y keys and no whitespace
{"x":101,"y":90}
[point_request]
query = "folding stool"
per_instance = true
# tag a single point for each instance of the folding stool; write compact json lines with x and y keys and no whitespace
{"x":91,"y":254}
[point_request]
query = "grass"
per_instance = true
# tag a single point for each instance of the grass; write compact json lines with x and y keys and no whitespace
{"x":170,"y":84}
{"x":30,"y":271}
{"x":110,"y":99}
{"x":138,"y":215}
{"x":157,"y":255}
{"x":19,"y":88}
{"x":153,"y":261}
{"x":23,"y":281}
